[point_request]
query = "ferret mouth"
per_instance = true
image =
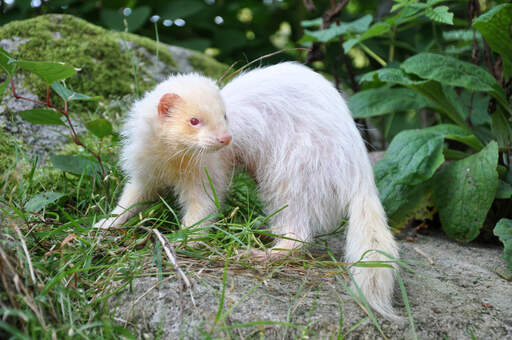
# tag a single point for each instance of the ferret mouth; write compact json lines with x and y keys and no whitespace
{"x":213,"y":147}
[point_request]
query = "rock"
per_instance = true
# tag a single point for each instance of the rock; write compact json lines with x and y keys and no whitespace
{"x":105,"y":61}
{"x":454,"y":293}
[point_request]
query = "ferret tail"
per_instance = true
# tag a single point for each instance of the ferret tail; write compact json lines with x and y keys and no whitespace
{"x":368,"y":231}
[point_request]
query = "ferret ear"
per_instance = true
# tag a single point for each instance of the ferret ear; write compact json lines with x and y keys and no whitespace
{"x":167,"y":102}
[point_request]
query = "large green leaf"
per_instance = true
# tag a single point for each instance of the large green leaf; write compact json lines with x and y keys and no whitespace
{"x":464,"y":191}
{"x":501,"y":129}
{"x":325,"y":35}
{"x":503,"y":230}
{"x":495,"y":26}
{"x":457,"y":133}
{"x":444,"y":98}
{"x":99,"y":127}
{"x":403,"y":174}
{"x":40,"y":201}
{"x":431,"y":90}
{"x":413,"y":156}
{"x":375,"y":102}
{"x":48,"y":71}
{"x":42,"y":116}
{"x":390,"y":75}
{"x":454,"y":72}
{"x":399,"y":200}
{"x":69,"y":95}
{"x":75,"y":164}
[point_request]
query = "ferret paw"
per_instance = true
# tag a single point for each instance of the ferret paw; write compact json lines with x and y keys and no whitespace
{"x":268,"y":254}
{"x":107,"y":223}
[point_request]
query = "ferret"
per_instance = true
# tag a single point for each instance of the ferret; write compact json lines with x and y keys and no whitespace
{"x":292,"y":131}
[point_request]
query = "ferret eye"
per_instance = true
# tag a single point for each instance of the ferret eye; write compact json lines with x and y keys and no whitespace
{"x":194,"y":121}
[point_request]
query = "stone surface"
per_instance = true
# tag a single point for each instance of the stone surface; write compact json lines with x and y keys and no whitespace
{"x":453,"y":293}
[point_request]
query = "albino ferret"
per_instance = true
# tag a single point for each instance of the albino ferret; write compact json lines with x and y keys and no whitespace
{"x":293,"y":132}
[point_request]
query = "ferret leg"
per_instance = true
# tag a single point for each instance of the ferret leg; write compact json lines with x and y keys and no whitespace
{"x":198,"y":202}
{"x":127,"y":207}
{"x":282,"y":248}
{"x":293,"y":231}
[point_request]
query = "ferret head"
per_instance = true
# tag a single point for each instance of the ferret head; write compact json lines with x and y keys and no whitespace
{"x":192,"y":115}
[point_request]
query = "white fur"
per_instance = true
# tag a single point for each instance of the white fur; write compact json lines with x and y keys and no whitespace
{"x":294,"y":133}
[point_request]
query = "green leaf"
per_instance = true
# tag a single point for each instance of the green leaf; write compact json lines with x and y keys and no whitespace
{"x":390,"y":75}
{"x":457,"y":133}
{"x":4,"y":85}
{"x":369,"y":103}
{"x":504,"y":190}
{"x":375,"y":30}
{"x":317,"y":22}
{"x":112,"y":19}
{"x":40,"y":201}
{"x":444,"y":98}
{"x":503,"y":230}
{"x":48,"y":71}
{"x":7,"y":62}
{"x":181,"y":9}
{"x":463,"y":193}
{"x":75,"y":164}
{"x":495,"y":27}
{"x":413,"y":156}
{"x":69,"y":95}
{"x":325,"y":35}
{"x":454,"y":72}
{"x":99,"y":127}
{"x":431,"y":90}
{"x":501,"y":129}
{"x":42,"y":116}
{"x":462,"y":35}
{"x":138,"y":18}
{"x":399,"y":200}
{"x":440,"y":14}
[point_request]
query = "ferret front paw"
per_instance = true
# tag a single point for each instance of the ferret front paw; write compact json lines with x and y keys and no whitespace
{"x":268,"y":254}
{"x":107,"y":223}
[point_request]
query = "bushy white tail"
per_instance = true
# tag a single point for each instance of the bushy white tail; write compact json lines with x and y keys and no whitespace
{"x":368,"y":230}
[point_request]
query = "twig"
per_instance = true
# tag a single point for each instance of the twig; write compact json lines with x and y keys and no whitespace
{"x":424,"y":255}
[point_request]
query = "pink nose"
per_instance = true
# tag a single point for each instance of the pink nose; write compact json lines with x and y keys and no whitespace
{"x":225,"y":140}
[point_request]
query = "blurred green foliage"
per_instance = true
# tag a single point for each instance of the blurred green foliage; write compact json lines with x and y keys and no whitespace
{"x":229,"y":30}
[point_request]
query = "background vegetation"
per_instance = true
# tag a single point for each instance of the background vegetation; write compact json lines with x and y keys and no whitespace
{"x":434,"y":78}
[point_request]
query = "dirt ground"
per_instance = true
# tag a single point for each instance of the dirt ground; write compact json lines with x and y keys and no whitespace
{"x":454,"y":293}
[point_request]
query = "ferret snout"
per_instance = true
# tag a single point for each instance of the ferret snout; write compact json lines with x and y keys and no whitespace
{"x":224,"y":140}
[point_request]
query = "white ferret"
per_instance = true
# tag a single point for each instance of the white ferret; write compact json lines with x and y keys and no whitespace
{"x":293,"y":132}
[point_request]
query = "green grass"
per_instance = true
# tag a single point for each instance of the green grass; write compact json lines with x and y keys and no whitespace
{"x":58,"y":274}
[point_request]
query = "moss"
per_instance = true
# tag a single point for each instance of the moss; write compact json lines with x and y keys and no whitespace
{"x":208,"y":66}
{"x":151,"y":46}
{"x":105,"y":69}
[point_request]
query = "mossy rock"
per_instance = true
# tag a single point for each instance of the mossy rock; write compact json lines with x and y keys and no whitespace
{"x":112,"y":65}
